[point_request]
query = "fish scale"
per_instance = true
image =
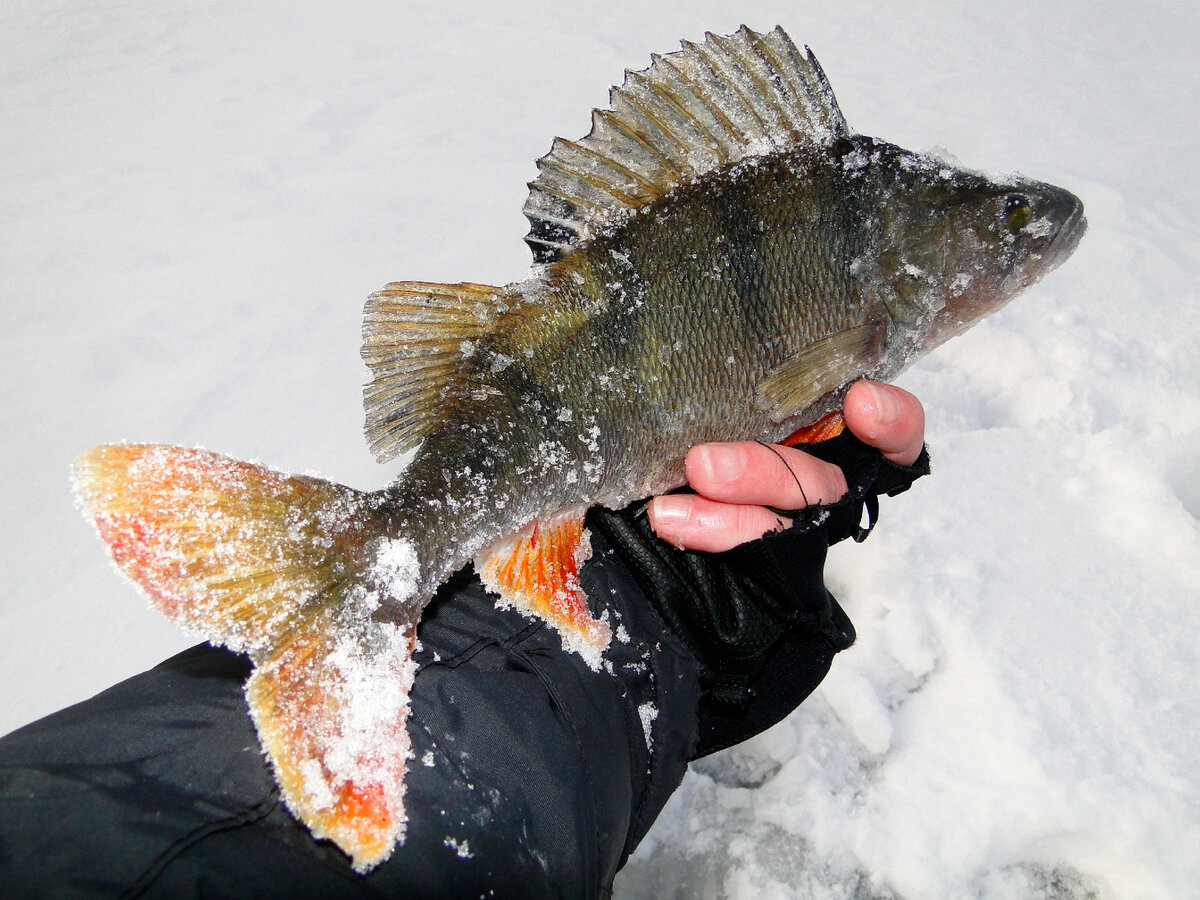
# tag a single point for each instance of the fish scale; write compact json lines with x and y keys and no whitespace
{"x":718,"y":259}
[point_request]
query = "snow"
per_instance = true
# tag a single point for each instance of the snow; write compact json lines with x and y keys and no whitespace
{"x":197,"y":198}
{"x":397,"y":568}
{"x":648,"y":712}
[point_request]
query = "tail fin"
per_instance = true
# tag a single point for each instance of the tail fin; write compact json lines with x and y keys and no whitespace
{"x":279,"y":567}
{"x":224,"y":548}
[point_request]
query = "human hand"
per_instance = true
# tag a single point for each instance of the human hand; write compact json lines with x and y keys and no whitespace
{"x":736,"y":481}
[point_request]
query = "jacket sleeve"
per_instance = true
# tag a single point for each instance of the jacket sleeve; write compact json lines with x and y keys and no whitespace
{"x":759,"y":618}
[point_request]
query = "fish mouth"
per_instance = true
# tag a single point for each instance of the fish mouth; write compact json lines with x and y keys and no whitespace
{"x":1067,"y":210}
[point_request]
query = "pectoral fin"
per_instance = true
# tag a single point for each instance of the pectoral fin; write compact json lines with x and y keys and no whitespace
{"x":537,"y":571}
{"x":820,"y":368}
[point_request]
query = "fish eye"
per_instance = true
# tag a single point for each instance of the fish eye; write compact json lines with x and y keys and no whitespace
{"x":1016,"y":214}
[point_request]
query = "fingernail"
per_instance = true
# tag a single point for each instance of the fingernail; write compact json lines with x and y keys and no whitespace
{"x":722,"y":462}
{"x":668,"y":515}
{"x":670,"y":510}
{"x":887,"y":406}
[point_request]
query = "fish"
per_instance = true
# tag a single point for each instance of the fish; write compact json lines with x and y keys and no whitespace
{"x":718,"y":259}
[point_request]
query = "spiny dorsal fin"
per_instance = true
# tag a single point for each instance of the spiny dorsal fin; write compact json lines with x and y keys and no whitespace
{"x":418,"y":338}
{"x":708,"y":105}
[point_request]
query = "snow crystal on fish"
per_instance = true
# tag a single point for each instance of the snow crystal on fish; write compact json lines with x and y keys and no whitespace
{"x":397,"y":567}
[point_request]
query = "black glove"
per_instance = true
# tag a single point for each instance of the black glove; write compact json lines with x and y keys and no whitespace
{"x":758,"y":617}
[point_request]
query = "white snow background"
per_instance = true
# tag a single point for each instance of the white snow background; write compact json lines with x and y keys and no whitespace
{"x":196,"y":198}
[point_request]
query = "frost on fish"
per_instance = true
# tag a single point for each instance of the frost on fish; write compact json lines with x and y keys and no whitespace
{"x":718,"y":259}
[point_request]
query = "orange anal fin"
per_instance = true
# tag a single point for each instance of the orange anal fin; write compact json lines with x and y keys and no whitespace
{"x":828,"y":426}
{"x":330,"y":705}
{"x":537,"y":571}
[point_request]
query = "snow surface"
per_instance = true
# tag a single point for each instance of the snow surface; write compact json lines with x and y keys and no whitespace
{"x":197,"y":197}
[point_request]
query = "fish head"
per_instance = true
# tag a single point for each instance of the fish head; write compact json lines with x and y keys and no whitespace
{"x":951,"y":246}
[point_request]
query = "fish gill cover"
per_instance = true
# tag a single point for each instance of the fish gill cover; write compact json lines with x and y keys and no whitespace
{"x":718,"y":259}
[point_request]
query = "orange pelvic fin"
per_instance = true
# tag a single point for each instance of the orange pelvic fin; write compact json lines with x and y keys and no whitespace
{"x":537,"y":571}
{"x":289,"y":570}
{"x":828,"y":426}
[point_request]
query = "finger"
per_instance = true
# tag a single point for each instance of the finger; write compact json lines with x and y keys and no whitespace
{"x":692,"y":522}
{"x":745,"y":472}
{"x":886,"y":417}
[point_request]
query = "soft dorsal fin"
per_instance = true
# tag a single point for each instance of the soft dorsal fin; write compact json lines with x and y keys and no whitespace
{"x":705,"y":106}
{"x":418,"y":340}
